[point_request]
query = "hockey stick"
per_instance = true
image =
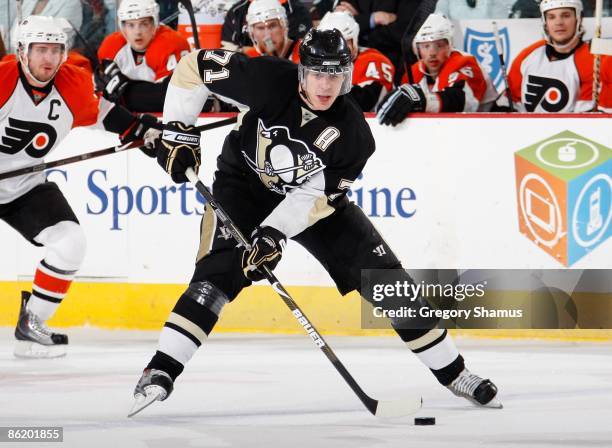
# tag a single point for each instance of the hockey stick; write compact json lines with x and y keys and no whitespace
{"x":100,"y":153}
{"x":174,"y":15}
{"x":19,"y":11}
{"x":502,"y":63}
{"x":382,"y":409}
{"x":597,"y":59}
{"x":425,"y":8}
{"x":194,"y":26}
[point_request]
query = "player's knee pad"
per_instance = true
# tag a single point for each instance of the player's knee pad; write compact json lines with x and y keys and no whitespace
{"x":65,"y":243}
{"x":207,"y":295}
{"x":198,"y":310}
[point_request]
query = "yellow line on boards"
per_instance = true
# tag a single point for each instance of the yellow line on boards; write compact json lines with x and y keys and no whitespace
{"x":257,"y":310}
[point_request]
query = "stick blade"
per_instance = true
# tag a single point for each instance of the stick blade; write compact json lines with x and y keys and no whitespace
{"x":398,"y":408}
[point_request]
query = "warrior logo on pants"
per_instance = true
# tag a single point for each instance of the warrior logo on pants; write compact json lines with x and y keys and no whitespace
{"x":36,"y":138}
{"x":281,"y":162}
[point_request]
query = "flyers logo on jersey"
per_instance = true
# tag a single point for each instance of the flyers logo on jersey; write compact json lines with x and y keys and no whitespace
{"x":549,"y":93}
{"x":282,"y":162}
{"x":36,"y":138}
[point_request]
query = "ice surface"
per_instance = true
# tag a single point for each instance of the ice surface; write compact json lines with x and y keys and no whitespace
{"x":280,"y":391}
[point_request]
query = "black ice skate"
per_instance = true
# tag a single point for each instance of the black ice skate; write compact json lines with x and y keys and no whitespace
{"x":479,"y":391}
{"x":34,"y":338}
{"x":154,"y":385}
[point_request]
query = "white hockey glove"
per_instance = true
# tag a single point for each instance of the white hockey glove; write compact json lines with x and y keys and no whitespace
{"x":400,"y":102}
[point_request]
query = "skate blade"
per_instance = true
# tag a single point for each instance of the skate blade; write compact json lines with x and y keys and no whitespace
{"x":493,"y":404}
{"x":34,"y":350}
{"x":141,"y":401}
{"x":398,"y":408}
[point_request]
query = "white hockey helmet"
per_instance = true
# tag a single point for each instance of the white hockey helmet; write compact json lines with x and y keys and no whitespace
{"x":436,"y":27}
{"x":40,"y":30}
{"x":264,"y":10}
{"x":261,"y":11}
{"x":138,"y":9}
{"x":549,"y":5}
{"x":343,"y":22}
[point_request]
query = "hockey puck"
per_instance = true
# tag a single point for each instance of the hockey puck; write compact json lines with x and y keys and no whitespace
{"x":424,"y":421}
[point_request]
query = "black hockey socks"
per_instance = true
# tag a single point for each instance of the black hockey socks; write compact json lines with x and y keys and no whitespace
{"x":191,"y":321}
{"x":166,"y":363}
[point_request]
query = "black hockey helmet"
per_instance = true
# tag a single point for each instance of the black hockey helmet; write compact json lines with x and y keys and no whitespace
{"x":326,"y":51}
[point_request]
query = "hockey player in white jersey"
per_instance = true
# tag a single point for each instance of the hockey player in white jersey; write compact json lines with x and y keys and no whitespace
{"x":41,"y":100}
{"x":556,"y":74}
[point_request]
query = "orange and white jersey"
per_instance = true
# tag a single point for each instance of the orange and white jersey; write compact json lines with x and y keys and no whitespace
{"x":29,"y":131}
{"x":293,"y":52}
{"x":539,"y":84}
{"x":371,"y":66}
{"x":158,"y":61}
{"x":477,"y":87}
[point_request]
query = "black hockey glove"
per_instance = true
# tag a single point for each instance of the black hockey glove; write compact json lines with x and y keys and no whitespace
{"x":142,"y":123}
{"x":179,"y":149}
{"x":267,"y":246}
{"x":110,"y":81}
{"x":399,"y":102}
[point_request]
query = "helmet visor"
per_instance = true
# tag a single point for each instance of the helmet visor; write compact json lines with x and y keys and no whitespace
{"x":335,"y":75}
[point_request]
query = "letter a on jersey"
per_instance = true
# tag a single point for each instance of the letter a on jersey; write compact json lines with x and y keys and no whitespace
{"x":282,"y":162}
{"x":36,"y":138}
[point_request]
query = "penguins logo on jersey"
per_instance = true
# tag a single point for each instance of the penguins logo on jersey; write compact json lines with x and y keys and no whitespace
{"x":550,"y":93}
{"x":281,"y":162}
{"x":36,"y":138}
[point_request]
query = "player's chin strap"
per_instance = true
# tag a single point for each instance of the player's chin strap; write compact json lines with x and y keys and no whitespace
{"x":286,"y":46}
{"x":568,"y":46}
{"x":304,"y":96}
{"x":24,"y":64}
{"x":572,"y":42}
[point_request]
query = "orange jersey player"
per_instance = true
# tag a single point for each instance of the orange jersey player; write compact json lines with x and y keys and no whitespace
{"x":373,"y":72}
{"x":41,"y":100}
{"x":268,"y":29}
{"x":136,"y":61}
{"x":556,"y":74}
{"x":444,"y":79}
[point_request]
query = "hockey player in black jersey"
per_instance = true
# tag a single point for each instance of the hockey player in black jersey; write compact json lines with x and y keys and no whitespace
{"x":283,"y":173}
